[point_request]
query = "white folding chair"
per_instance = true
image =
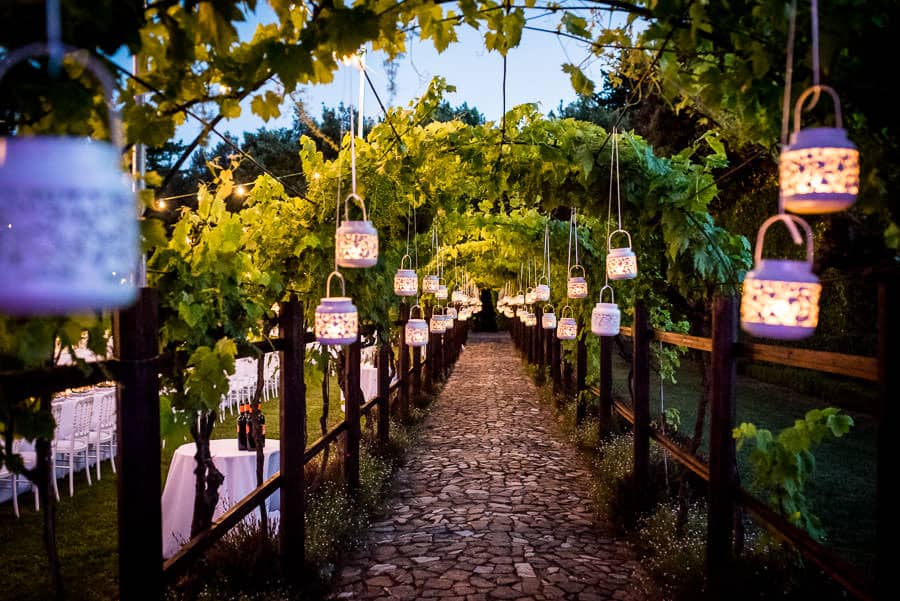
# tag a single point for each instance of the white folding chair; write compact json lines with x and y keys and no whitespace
{"x":105,"y":433}
{"x":76,"y":443}
{"x":29,"y":458}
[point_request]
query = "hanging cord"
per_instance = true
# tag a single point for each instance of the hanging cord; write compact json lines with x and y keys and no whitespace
{"x":547,"y":249}
{"x":415,"y":243}
{"x":54,"y":37}
{"x":618,"y":189}
{"x":814,"y":9}
{"x":786,"y":104}
{"x":408,"y":216}
{"x":569,"y":255}
{"x":575,"y":233}
{"x":612,"y":159}
{"x":337,"y":218}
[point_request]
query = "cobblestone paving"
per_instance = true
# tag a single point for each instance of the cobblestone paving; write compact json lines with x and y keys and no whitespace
{"x":493,"y":503}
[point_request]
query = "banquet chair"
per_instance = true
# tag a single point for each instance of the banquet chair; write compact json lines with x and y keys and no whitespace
{"x":105,"y":434}
{"x":76,"y":443}
{"x":29,"y":458}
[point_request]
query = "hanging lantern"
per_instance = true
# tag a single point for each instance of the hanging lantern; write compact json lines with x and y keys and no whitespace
{"x":542,"y":291}
{"x":441,"y":292}
{"x":437,"y":325}
{"x":406,"y":282}
{"x":416,"y":329}
{"x":464,"y":315}
{"x":780,"y":296}
{"x":430,"y":284}
{"x":69,"y":235}
{"x":529,"y":296}
{"x":621,"y":263}
{"x":531,"y":320}
{"x":337,"y":321}
{"x":458,"y":296}
{"x":606,"y":317}
{"x":566,"y":327}
{"x":509,"y":312}
{"x":518,"y":300}
{"x":819,"y":169}
{"x":576,"y":286}
{"x":356,"y":243}
{"x":548,"y":319}
{"x":451,"y":313}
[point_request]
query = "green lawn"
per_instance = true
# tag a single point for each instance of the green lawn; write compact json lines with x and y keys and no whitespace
{"x":842,"y":492}
{"x":87,"y":532}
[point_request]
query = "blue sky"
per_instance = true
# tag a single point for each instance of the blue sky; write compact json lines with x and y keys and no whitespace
{"x":533,"y":75}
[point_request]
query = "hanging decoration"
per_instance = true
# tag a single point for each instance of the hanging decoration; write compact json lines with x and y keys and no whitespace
{"x":819,"y":170}
{"x":431,"y":282}
{"x":416,"y":328}
{"x":542,"y":290}
{"x":576,"y":285}
{"x":69,"y":240}
{"x":548,"y":318}
{"x":606,"y":317}
{"x":337,"y":321}
{"x":356,"y":242}
{"x":621,"y":263}
{"x":437,"y":325}
{"x":781,"y":296}
{"x":451,"y":313}
{"x":406,"y":282}
{"x":566,"y":327}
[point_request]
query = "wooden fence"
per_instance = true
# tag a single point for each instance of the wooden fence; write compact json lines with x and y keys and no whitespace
{"x":136,"y":368}
{"x":542,"y":348}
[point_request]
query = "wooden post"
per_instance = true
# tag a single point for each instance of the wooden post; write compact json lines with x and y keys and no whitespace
{"x":889,"y":392}
{"x":138,"y":452}
{"x":384,"y":392}
{"x":641,"y":388}
{"x":606,"y":401}
{"x":429,"y":371}
{"x":417,"y":375}
{"x":292,"y":401}
{"x":352,"y":402}
{"x":555,"y":362}
{"x":436,"y":349}
{"x":581,"y":375}
{"x":403,"y":363}
{"x":539,"y":341}
{"x":720,"y":519}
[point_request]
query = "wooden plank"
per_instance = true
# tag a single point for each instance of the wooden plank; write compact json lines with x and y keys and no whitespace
{"x":722,"y":466}
{"x":580,"y":374}
{"x":694,"y":342}
{"x":138,"y":453}
{"x":605,"y":390}
{"x":855,"y":366}
{"x":292,"y":409}
{"x":191,"y":551}
{"x":354,"y":427}
{"x":404,"y":361}
{"x":50,"y":380}
{"x":416,"y":372}
{"x":384,"y":391}
{"x":641,"y":389}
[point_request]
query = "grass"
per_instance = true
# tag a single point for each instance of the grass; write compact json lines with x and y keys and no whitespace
{"x":842,"y":492}
{"x":87,"y":522}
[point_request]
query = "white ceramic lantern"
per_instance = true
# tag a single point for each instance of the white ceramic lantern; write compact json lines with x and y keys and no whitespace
{"x":416,"y":328}
{"x":356,"y":242}
{"x":441,"y":292}
{"x":548,"y":319}
{"x":69,"y":233}
{"x":531,"y":320}
{"x":621,"y":263}
{"x":406,"y":281}
{"x":819,"y":169}
{"x":430,"y":284}
{"x":519,"y":299}
{"x":437,"y":324}
{"x":542,"y":291}
{"x":606,"y":317}
{"x":337,"y":321}
{"x":529,"y":296}
{"x":458,"y":296}
{"x":576,"y":286}
{"x":566,"y":327}
{"x":451,"y":313}
{"x":780,"y":296}
{"x":464,"y":314}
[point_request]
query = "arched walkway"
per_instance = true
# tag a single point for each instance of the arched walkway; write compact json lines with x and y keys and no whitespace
{"x":493,"y":503}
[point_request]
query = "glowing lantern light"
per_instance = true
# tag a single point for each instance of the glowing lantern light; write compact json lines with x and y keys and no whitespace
{"x":576,"y":286}
{"x":819,"y":169}
{"x":780,"y":296}
{"x":441,"y":292}
{"x":451,"y":313}
{"x":542,"y":291}
{"x":356,"y":243}
{"x":606,"y":317}
{"x":69,"y":237}
{"x":548,"y":319}
{"x":437,"y":325}
{"x":458,"y":296}
{"x":621,"y":263}
{"x":531,"y":319}
{"x":464,"y":314}
{"x":406,"y":282}
{"x":529,"y":296}
{"x":416,"y":328}
{"x":337,"y":321}
{"x":566,"y":327}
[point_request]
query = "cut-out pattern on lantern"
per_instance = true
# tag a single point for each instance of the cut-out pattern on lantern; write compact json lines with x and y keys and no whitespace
{"x":606,"y":317}
{"x":69,"y":233}
{"x":406,"y":281}
{"x":548,"y":319}
{"x":416,"y":328}
{"x":337,"y":321}
{"x":529,"y":296}
{"x":621,"y":263}
{"x":451,"y":313}
{"x":819,"y":169}
{"x":430,"y":284}
{"x":542,"y":292}
{"x":576,"y":286}
{"x":441,"y":292}
{"x":356,"y":242}
{"x":566,"y":327}
{"x":531,"y":320}
{"x":458,"y":296}
{"x":437,"y":324}
{"x":781,"y":297}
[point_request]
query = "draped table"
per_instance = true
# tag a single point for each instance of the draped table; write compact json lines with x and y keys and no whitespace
{"x":239,"y":469}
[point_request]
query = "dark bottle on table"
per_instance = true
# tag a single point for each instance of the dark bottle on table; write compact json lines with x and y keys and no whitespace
{"x":260,"y":416}
{"x":242,"y":428}
{"x":248,"y":428}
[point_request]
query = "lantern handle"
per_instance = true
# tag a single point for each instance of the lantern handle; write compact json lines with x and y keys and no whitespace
{"x":612,"y":295}
{"x":328,"y":284}
{"x":436,"y":307}
{"x":785,"y":217}
{"x":361,"y":202}
{"x":583,"y":273}
{"x":610,"y":237}
{"x":405,"y":257}
{"x":545,"y":278}
{"x":551,"y":309}
{"x":798,"y":107}
{"x":86,"y":60}
{"x":413,"y":308}
{"x":562,"y":313}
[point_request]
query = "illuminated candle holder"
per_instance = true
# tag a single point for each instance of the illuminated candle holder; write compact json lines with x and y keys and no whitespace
{"x":406,"y":281}
{"x":606,"y":317}
{"x":529,"y":296}
{"x":451,"y":313}
{"x":437,"y":324}
{"x":548,"y":318}
{"x":576,"y":286}
{"x":337,"y":321}
{"x":441,"y":292}
{"x":356,"y":242}
{"x":621,"y":263}
{"x":458,"y":296}
{"x":416,"y":328}
{"x":566,"y":327}
{"x":542,"y":291}
{"x":781,"y":297}
{"x":430,"y":284}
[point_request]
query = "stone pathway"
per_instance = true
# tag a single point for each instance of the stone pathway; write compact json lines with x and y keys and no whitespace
{"x":492,"y":503}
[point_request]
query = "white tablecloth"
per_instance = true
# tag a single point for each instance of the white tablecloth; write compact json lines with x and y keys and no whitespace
{"x":239,"y":469}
